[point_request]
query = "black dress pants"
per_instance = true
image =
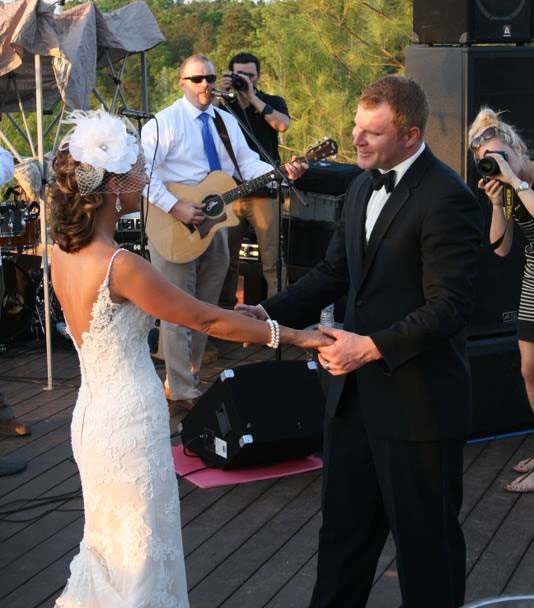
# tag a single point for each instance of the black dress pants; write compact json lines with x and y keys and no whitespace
{"x":373,"y":485}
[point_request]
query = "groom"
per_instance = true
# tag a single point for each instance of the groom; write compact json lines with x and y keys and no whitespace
{"x":398,"y":408}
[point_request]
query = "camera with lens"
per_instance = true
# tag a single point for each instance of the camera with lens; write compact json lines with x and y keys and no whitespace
{"x":488,"y":166}
{"x":238,"y":82}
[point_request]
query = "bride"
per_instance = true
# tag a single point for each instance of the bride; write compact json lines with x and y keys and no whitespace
{"x":131,"y":554}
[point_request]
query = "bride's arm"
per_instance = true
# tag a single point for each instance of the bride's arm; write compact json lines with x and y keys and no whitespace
{"x":136,"y":280}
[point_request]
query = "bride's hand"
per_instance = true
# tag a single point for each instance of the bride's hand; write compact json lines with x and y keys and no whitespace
{"x":311,"y":338}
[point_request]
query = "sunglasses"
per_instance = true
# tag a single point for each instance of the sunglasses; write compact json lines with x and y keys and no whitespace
{"x":486,"y":135}
{"x":211,"y":78}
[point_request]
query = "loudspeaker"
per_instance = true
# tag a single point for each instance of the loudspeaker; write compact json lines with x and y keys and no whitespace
{"x":471,"y":21}
{"x":306,"y":240}
{"x":257,"y":414}
{"x":458,"y":81}
{"x":500,"y":403}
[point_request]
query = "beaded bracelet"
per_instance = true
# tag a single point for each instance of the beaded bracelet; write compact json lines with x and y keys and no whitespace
{"x":275,"y":333}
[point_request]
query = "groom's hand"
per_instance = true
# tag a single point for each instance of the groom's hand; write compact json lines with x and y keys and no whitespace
{"x":256,"y":312}
{"x":350,"y":351}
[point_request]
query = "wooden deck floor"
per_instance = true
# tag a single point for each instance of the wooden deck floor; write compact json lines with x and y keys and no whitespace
{"x":247,"y":546}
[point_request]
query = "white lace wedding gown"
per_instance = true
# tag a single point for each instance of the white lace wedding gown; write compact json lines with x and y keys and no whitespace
{"x":131,"y":554}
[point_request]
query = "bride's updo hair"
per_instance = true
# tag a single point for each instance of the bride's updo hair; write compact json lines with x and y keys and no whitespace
{"x":507,"y":133}
{"x":73,"y":217}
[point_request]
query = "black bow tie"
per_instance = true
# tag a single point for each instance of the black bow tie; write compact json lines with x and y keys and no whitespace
{"x":386,"y":180}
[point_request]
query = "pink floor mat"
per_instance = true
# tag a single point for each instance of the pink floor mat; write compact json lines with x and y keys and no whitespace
{"x":211,"y":478}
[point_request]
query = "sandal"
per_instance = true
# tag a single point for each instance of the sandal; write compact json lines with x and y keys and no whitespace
{"x":524,"y":466}
{"x":523,"y":484}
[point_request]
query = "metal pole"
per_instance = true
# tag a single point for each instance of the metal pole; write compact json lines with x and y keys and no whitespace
{"x":144,"y":81}
{"x":42,"y":205}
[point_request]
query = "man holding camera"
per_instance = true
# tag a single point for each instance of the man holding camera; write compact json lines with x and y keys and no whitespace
{"x":266,"y":116}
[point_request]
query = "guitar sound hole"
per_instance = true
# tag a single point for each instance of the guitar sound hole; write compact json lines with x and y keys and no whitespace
{"x":213,"y":206}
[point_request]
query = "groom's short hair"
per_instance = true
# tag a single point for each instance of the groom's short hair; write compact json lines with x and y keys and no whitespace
{"x":405,"y":97}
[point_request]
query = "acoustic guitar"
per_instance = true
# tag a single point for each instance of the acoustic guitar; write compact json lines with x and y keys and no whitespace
{"x":180,"y":243}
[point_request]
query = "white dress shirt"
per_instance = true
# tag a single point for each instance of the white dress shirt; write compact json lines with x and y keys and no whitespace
{"x":180,"y":155}
{"x":6,"y":166}
{"x":380,"y":197}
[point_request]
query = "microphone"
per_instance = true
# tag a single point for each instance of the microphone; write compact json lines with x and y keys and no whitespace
{"x":136,"y":114}
{"x":223,"y":94}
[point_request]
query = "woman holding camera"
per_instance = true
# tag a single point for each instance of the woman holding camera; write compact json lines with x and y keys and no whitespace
{"x":507,"y":165}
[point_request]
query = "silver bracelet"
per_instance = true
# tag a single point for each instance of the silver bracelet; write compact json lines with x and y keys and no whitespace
{"x":275,"y":333}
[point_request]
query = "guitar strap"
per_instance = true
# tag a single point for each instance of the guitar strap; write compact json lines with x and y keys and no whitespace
{"x":223,"y":134}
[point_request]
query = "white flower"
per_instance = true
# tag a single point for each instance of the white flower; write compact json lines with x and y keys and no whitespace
{"x":101,"y":140}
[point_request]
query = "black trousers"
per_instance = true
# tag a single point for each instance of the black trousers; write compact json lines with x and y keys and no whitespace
{"x":373,"y":485}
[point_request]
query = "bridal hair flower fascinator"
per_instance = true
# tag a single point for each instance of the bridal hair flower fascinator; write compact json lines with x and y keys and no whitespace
{"x":104,"y":145}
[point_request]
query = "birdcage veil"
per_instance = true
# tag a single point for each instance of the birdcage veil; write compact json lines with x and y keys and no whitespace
{"x":106,"y":146}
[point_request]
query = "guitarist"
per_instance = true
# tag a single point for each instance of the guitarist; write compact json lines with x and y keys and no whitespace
{"x":189,"y":147}
{"x":266,"y":116}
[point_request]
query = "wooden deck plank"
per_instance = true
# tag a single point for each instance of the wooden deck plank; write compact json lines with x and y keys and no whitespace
{"x":248,"y":545}
{"x":23,"y":569}
{"x":505,"y":550}
{"x":43,"y":584}
{"x":233,"y":534}
{"x":522,"y":580}
{"x":297,"y":592}
{"x":274,"y":574}
{"x":60,"y":416}
{"x":52,"y":478}
{"x":222,"y":513}
{"x":25,"y":537}
{"x":287,"y":517}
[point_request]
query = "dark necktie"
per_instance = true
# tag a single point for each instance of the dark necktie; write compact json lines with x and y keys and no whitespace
{"x":209,"y":144}
{"x":386,"y":180}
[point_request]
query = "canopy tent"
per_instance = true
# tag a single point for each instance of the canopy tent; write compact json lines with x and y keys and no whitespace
{"x":72,"y":46}
{"x":48,"y":63}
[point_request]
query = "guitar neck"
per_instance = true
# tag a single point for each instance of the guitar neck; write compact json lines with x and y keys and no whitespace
{"x":247,"y":188}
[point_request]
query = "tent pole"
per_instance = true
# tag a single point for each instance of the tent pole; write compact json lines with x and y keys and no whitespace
{"x":42,"y":205}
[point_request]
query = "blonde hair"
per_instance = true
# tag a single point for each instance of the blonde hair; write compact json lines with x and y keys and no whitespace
{"x":507,"y":133}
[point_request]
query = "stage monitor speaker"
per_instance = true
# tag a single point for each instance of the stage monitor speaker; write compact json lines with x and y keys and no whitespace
{"x":471,"y":21}
{"x":257,"y":414}
{"x":458,"y":81}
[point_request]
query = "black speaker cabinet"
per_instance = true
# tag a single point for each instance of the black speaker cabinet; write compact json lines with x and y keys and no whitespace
{"x":500,"y":403}
{"x":471,"y":21}
{"x":258,"y":414}
{"x":458,"y":81}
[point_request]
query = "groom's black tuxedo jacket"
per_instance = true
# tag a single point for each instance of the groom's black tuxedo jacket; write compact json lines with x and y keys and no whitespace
{"x":411,"y":288}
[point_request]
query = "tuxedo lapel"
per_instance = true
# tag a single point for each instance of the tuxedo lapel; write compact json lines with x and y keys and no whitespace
{"x":357,"y":227}
{"x":394,"y":204}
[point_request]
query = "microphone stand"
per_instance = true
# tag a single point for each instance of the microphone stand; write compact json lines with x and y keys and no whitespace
{"x":283,"y":178}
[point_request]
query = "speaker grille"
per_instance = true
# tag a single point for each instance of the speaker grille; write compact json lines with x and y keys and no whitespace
{"x":497,"y":10}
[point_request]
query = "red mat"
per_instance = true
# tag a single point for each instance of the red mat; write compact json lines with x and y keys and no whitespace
{"x":211,"y":478}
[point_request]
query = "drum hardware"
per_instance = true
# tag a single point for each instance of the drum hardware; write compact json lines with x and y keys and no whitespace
{"x":19,"y":226}
{"x":17,"y":300}
{"x":57,"y":320}
{"x":128,"y":232}
{"x":22,"y":310}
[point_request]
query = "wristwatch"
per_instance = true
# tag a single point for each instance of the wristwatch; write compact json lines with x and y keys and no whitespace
{"x":522,"y":186}
{"x":267,"y":109}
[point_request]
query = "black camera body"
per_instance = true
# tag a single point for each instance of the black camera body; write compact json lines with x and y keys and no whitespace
{"x":238,"y":82}
{"x":488,"y":166}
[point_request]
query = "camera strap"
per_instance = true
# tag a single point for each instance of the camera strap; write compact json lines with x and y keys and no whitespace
{"x":223,"y":134}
